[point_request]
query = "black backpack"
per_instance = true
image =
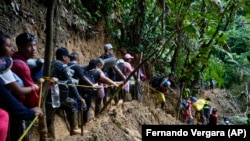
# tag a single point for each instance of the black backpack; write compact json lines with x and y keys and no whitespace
{"x":156,"y":81}
{"x":93,"y":76}
{"x":121,"y":67}
{"x":109,"y":72}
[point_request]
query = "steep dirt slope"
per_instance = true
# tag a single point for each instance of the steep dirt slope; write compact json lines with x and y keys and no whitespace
{"x":220,"y":100}
{"x":123,"y":122}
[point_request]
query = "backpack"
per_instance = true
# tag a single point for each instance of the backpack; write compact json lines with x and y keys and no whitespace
{"x":109,"y":72}
{"x":156,"y":81}
{"x":199,"y":104}
{"x":93,"y":76}
{"x":121,"y":67}
{"x":184,"y":103}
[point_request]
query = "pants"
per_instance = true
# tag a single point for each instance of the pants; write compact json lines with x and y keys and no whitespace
{"x":4,"y":124}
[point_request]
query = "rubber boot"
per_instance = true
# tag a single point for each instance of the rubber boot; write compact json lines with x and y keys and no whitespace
{"x":74,"y":124}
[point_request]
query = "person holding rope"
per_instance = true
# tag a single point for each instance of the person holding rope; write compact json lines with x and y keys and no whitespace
{"x":110,"y":72}
{"x":10,"y":105}
{"x":162,"y":90}
{"x":68,"y":91}
{"x":95,"y":75}
{"x":22,"y":91}
{"x":162,"y":85}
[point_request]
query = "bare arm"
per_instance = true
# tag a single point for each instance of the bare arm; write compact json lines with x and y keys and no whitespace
{"x":87,"y":80}
{"x":119,"y":72}
{"x":106,"y":80}
{"x":18,"y":90}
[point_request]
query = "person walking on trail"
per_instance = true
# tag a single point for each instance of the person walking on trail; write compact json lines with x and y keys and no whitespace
{"x":213,"y":118}
{"x":186,"y":111}
{"x":199,"y":105}
{"x":162,"y":90}
{"x":100,"y":92}
{"x":95,"y":75}
{"x":207,"y":110}
{"x":126,"y":68}
{"x":110,"y":72}
{"x":26,"y":44}
{"x":68,"y":93}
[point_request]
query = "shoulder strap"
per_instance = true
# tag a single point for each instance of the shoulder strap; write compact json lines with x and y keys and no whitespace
{"x":71,"y":66}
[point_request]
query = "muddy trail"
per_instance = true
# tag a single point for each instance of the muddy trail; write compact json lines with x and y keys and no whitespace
{"x":123,"y":121}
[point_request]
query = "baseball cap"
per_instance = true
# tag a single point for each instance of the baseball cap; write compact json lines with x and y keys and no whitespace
{"x":62,"y":51}
{"x":108,"y":46}
{"x":24,"y":38}
{"x":128,"y":56}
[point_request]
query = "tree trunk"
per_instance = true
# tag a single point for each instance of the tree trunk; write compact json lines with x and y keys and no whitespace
{"x":47,"y":66}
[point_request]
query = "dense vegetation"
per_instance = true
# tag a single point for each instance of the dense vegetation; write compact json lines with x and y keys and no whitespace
{"x":198,"y":39}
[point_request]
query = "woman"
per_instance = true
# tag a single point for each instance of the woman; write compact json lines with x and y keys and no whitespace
{"x":95,"y":76}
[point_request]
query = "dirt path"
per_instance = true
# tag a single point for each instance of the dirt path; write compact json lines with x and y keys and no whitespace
{"x":220,"y":100}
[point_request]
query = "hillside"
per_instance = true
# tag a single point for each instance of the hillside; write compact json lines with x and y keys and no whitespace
{"x":123,"y":122}
{"x":120,"y":122}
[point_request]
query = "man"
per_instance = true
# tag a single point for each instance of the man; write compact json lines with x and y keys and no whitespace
{"x":199,"y":105}
{"x":62,"y":71}
{"x":110,"y":72}
{"x":26,"y":44}
{"x":162,"y":90}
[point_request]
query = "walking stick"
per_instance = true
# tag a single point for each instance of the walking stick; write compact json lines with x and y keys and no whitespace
{"x":81,"y":118}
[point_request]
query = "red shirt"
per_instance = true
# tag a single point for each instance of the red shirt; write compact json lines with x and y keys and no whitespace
{"x":21,"y":68}
{"x":213,"y":119}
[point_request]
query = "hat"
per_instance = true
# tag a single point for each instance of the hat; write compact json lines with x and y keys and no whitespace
{"x":108,"y":47}
{"x":128,"y":56}
{"x":5,"y":64}
{"x":24,"y":38}
{"x":62,"y":51}
{"x":166,"y":83}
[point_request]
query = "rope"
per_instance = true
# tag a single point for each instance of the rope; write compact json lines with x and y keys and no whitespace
{"x":40,"y":99}
{"x":159,"y":92}
{"x":84,"y":86}
{"x":27,"y":129}
{"x":36,"y":117}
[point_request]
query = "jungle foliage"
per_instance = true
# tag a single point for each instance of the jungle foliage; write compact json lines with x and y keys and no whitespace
{"x":198,"y":39}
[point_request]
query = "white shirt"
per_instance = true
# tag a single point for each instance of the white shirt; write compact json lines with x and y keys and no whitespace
{"x":7,"y":77}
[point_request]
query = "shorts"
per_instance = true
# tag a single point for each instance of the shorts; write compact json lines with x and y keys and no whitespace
{"x":160,"y":97}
